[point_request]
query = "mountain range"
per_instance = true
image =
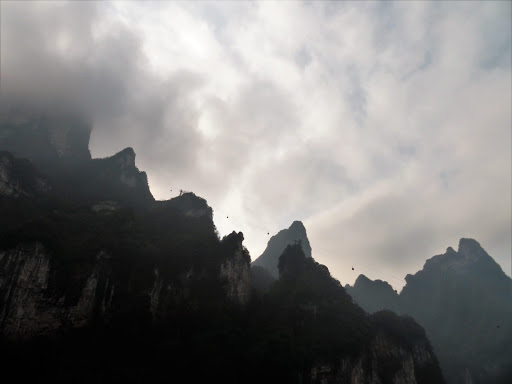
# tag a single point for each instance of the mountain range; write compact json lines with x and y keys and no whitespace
{"x":463,"y":299}
{"x":101,"y":282}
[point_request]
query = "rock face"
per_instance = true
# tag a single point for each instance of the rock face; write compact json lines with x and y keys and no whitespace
{"x":19,"y":178}
{"x":408,"y":365}
{"x":461,"y":298}
{"x":29,"y":305}
{"x":236,"y":268}
{"x":277,"y":243}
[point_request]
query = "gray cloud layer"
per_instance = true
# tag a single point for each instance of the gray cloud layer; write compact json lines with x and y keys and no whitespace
{"x":386,"y":127}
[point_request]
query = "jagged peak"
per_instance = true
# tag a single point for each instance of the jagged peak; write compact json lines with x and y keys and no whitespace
{"x":363,"y":281}
{"x":296,"y":232}
{"x":471,"y":249}
{"x":297,"y":226}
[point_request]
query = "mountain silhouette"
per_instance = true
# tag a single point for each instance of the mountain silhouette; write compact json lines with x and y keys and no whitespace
{"x":277,"y":244}
{"x":464,"y":300}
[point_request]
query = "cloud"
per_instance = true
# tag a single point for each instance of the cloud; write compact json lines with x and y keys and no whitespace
{"x":384,"y":126}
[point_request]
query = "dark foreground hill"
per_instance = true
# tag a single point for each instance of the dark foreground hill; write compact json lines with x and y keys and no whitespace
{"x":101,"y":283}
{"x":464,"y":300}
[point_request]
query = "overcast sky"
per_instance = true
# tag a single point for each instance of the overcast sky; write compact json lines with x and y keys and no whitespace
{"x":384,"y":127}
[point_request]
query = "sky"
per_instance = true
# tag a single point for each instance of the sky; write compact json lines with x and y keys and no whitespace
{"x":385,"y":127}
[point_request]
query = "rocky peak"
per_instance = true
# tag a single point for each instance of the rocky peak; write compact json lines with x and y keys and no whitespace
{"x":469,"y":259}
{"x":362,"y":280}
{"x":471,"y":250}
{"x":277,"y":244}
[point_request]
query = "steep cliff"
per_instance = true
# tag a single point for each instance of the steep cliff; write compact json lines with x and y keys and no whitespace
{"x":29,"y":303}
{"x":236,"y":268}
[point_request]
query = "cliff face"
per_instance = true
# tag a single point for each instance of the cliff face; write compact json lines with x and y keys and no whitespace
{"x":19,"y":178}
{"x":385,"y":361}
{"x":29,"y":305}
{"x":32,"y":305}
{"x":236,"y":268}
{"x":277,"y":243}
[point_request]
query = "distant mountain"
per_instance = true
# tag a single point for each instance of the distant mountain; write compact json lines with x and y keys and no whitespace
{"x":464,"y":300}
{"x":374,"y":295}
{"x":277,"y":244}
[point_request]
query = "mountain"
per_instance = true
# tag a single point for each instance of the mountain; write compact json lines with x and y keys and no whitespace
{"x":373,"y":295}
{"x":99,"y":282}
{"x":464,"y":300}
{"x":335,"y":338}
{"x":277,"y":243}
